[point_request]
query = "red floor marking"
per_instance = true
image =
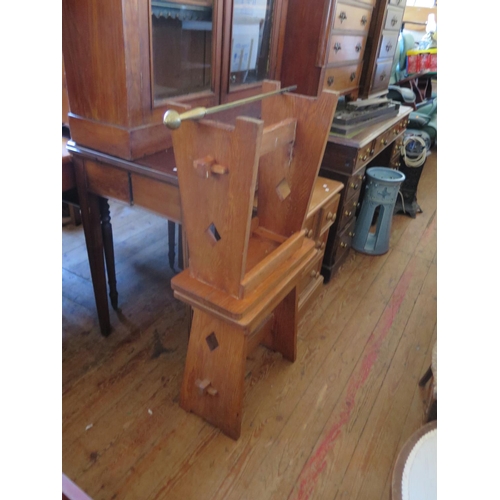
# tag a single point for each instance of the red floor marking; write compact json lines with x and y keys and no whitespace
{"x":317,"y":462}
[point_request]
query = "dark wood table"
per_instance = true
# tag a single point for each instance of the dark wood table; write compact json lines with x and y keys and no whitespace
{"x":149,"y":182}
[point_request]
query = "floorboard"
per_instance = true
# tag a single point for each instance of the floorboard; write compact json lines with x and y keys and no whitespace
{"x":328,"y":426}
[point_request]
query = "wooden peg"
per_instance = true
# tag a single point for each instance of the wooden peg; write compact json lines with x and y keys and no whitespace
{"x":207,"y":166}
{"x":205,"y":386}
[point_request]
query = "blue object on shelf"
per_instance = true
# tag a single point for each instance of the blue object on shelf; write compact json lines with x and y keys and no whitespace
{"x":381,"y":191}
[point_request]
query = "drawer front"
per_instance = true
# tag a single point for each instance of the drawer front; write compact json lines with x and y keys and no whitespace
{"x":310,"y":273}
{"x":388,"y":45}
{"x":107,"y":181}
{"x":349,"y":17}
{"x":343,"y":240}
{"x":345,"y":48}
{"x":382,"y":75}
{"x":397,"y":3}
{"x":343,"y":78}
{"x":353,"y":185}
{"x":162,"y":198}
{"x":311,"y":224}
{"x":393,"y":19}
{"x":328,"y":214}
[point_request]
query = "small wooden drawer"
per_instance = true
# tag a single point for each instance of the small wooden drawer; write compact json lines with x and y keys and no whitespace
{"x":393,"y":19}
{"x":397,"y":3}
{"x":382,"y":75}
{"x":388,"y":45}
{"x":345,"y":48}
{"x":342,"y":78}
{"x":353,"y":185}
{"x":344,"y":239}
{"x":350,"y":17}
{"x":365,"y":154}
{"x":107,"y":181}
{"x":328,"y":214}
{"x":310,"y":273}
{"x":311,"y":224}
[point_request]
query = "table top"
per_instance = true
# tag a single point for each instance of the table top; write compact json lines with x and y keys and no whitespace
{"x":366,"y":135}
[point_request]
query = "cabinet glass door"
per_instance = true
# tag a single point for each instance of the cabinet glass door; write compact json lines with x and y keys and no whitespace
{"x":251,"y":32}
{"x":182,"y":47}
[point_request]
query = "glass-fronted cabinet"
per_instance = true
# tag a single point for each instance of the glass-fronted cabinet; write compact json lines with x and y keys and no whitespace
{"x":194,"y":52}
{"x":125,"y":59}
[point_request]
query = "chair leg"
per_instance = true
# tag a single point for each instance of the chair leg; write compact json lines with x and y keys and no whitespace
{"x":213,"y":382}
{"x":426,"y":377}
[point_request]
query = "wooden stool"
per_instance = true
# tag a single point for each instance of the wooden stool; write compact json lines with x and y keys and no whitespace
{"x":243,"y":267}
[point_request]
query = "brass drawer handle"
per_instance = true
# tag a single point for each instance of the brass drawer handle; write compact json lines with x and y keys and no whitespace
{"x":329,"y":81}
{"x":388,"y":47}
{"x":353,"y":76}
{"x":394,"y":21}
{"x":372,"y":151}
{"x":351,"y":234}
{"x":337,"y":47}
{"x":364,"y":20}
{"x":343,"y":245}
{"x":383,"y":142}
{"x":382,"y":76}
{"x":330,"y":216}
{"x":343,"y":17}
{"x":348,"y":213}
{"x":358,"y":47}
{"x":355,"y":186}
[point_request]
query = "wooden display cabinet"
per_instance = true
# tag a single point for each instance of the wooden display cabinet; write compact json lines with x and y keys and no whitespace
{"x":125,"y":58}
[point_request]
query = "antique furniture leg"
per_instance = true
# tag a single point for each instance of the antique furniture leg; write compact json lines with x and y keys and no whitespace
{"x":171,"y":244}
{"x":89,"y":204}
{"x":109,"y":253}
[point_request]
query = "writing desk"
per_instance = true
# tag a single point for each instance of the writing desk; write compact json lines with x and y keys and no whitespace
{"x":149,"y":182}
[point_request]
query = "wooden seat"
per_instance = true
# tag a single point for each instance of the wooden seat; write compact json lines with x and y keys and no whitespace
{"x":244,"y":267}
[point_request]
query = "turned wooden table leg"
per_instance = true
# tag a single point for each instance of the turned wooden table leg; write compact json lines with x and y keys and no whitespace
{"x":109,"y":253}
{"x":171,"y":244}
{"x":91,"y":221}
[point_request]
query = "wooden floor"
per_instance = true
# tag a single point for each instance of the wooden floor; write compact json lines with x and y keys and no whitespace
{"x":328,"y":426}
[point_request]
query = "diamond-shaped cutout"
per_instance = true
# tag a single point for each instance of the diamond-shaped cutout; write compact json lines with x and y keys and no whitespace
{"x":283,"y":190}
{"x":212,"y":341}
{"x":213,"y":234}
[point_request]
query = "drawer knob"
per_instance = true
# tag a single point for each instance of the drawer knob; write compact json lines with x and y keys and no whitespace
{"x":394,"y":21}
{"x":358,"y":47}
{"x":353,"y":76}
{"x":330,"y":216}
{"x":309,"y":233}
{"x":353,"y":185}
{"x":388,"y":47}
{"x":329,"y":81}
{"x":343,"y":16}
{"x":351,"y":234}
{"x":364,"y":20}
{"x":337,"y":47}
{"x":396,"y":132}
{"x":372,"y":151}
{"x":343,"y":245}
{"x":348,"y":213}
{"x":384,"y":142}
{"x":318,"y":244}
{"x":314,"y":274}
{"x":382,"y":76}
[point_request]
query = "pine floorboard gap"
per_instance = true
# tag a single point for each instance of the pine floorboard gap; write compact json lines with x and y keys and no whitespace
{"x":328,"y":426}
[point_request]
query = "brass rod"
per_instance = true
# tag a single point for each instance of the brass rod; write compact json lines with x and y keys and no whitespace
{"x":172,"y":119}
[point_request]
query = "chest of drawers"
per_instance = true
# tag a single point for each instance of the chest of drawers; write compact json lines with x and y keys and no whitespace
{"x":324,"y":46}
